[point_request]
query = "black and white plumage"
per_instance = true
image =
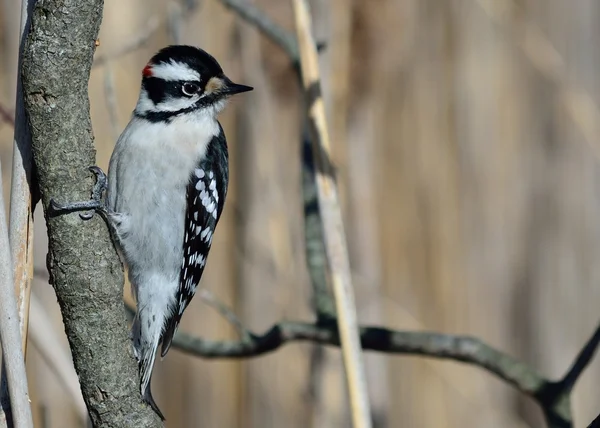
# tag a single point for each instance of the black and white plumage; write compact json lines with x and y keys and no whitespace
{"x":167,"y":183}
{"x":206,"y":192}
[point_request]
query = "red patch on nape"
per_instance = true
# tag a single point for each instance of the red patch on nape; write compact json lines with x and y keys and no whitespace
{"x":147,"y":71}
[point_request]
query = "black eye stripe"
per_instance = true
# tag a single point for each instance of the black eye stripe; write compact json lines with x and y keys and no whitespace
{"x":159,"y":89}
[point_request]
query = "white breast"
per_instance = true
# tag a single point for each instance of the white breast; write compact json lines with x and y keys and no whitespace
{"x":148,"y":174}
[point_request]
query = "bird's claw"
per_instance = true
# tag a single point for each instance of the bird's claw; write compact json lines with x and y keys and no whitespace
{"x":92,"y":206}
{"x":101,"y":182}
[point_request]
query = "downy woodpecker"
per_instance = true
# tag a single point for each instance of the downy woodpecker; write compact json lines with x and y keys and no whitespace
{"x":167,"y":182}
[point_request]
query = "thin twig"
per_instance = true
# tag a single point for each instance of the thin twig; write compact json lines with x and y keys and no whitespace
{"x":583,"y":359}
{"x":333,"y":231}
{"x":595,"y":423}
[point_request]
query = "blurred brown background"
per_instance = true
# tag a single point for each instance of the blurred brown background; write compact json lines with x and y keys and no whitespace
{"x":466,"y":139}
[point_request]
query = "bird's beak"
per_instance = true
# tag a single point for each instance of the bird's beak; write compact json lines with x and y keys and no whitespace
{"x":230,"y":88}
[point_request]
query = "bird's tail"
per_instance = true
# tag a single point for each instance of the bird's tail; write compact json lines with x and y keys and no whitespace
{"x":145,"y":344}
{"x":148,"y":399}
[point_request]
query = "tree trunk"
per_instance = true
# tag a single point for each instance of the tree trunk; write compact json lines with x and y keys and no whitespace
{"x":84,"y":267}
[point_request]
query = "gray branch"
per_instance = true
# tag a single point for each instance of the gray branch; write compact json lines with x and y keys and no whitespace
{"x":84,"y":267}
{"x":316,"y":258}
{"x":554,"y":397}
{"x":459,"y":348}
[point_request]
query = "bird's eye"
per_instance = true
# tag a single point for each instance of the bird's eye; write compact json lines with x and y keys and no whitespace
{"x":190,"y":89}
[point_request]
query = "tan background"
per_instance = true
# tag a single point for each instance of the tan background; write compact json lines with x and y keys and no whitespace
{"x":466,"y":137}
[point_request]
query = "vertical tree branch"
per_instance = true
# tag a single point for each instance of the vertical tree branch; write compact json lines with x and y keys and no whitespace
{"x":21,"y":203}
{"x":333,"y":231}
{"x":85,"y":270}
{"x":316,"y":258}
{"x":14,"y":378}
{"x":18,"y":259}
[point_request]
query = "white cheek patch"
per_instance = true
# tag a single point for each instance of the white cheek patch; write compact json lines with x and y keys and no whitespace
{"x":144,"y":103}
{"x":174,"y":71}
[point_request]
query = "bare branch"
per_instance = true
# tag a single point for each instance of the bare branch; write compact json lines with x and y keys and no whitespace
{"x":595,"y":423}
{"x":316,"y":258}
{"x":14,"y":377}
{"x":583,"y":359}
{"x":85,"y":269}
{"x":21,"y":201}
{"x":459,"y":348}
{"x":16,"y":260}
{"x":561,"y":393}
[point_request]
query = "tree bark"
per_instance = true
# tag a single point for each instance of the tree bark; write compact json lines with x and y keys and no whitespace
{"x":84,"y":267}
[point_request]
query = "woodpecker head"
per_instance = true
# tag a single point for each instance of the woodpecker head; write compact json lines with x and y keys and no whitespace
{"x":182,"y":80}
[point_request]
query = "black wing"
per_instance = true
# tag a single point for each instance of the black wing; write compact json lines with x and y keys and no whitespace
{"x":206,"y":194}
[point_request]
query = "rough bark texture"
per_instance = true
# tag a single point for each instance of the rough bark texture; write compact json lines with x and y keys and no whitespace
{"x":84,"y":267}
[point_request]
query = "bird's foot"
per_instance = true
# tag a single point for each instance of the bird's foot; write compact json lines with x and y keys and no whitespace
{"x":95,"y":204}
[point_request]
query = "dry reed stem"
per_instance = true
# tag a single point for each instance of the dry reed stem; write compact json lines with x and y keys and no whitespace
{"x":335,"y":241}
{"x":16,"y":266}
{"x":14,"y":377}
{"x":21,"y":209}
